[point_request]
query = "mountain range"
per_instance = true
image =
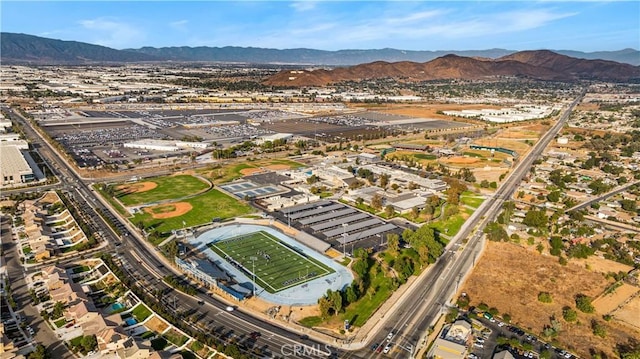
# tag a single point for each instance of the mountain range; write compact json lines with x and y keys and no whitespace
{"x":540,"y":65}
{"x":22,"y":48}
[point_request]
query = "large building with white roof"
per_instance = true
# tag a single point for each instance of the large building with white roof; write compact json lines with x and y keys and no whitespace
{"x":14,"y":167}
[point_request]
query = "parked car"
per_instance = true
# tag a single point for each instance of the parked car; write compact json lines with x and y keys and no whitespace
{"x":387,"y":348}
{"x":230,"y":309}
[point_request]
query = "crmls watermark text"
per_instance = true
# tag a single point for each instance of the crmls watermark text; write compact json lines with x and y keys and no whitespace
{"x":300,"y":350}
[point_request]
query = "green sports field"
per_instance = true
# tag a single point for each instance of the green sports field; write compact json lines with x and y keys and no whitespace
{"x":277,"y":265}
{"x":206,"y":206}
{"x":169,"y":187}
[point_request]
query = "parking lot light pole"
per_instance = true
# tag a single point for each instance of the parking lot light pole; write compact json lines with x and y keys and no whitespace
{"x":344,"y":238}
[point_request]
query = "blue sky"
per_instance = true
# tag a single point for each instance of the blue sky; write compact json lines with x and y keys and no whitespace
{"x":333,"y":25}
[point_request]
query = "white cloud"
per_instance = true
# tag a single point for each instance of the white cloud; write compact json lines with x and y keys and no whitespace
{"x":420,"y":26}
{"x":113,"y":33}
{"x":303,"y":5}
{"x":180,"y":25}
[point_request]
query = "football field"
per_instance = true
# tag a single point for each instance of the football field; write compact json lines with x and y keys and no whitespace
{"x":277,"y":265}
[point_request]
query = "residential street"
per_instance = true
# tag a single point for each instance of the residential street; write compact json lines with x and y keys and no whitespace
{"x":44,"y":335}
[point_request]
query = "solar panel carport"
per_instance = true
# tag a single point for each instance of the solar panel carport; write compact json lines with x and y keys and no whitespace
{"x":327,"y":216}
{"x":352,"y":227}
{"x":302,"y":207}
{"x":365,"y":234}
{"x":314,"y":212}
{"x":339,"y":221}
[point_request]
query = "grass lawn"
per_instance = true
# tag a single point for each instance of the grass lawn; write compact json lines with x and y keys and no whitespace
{"x":169,"y":187}
{"x":471,"y":199}
{"x":359,"y":312}
{"x":451,"y":225}
{"x":311,"y":322}
{"x":60,"y":322}
{"x":278,"y":266}
{"x":26,"y":250}
{"x":75,"y":342}
{"x":141,"y":312}
{"x":80,"y":269}
{"x":175,"y":337}
{"x":424,"y":156}
{"x":205,"y":207}
{"x":115,"y":204}
{"x":147,"y":334}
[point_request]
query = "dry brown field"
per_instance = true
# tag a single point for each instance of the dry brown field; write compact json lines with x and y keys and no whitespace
{"x":628,"y":314}
{"x":156,"y":324}
{"x":509,"y":278}
{"x":512,"y":144}
{"x":607,"y":303}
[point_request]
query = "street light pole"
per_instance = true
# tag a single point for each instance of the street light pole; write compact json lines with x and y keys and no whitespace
{"x":344,"y":238}
{"x":253,"y":261}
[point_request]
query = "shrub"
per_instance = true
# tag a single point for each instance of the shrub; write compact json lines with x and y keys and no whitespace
{"x":583,"y":303}
{"x":598,"y":329}
{"x":545,"y":297}
{"x":569,"y":314}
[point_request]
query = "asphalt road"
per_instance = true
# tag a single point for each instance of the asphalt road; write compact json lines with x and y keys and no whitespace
{"x":21,"y":295}
{"x":422,"y":305}
{"x":409,"y":320}
{"x":142,"y":263}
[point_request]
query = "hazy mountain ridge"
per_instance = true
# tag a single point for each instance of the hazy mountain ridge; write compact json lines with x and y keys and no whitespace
{"x":23,"y":48}
{"x":540,"y":65}
{"x":20,"y":48}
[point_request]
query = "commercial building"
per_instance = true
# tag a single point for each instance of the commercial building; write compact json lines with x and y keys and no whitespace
{"x":14,"y":166}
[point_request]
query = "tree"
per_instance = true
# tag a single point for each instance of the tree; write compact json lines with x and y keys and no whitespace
{"x":495,"y":232}
{"x":583,"y":303}
{"x":628,"y":205}
{"x":598,"y":329}
{"x":393,"y":242}
{"x":554,"y":196}
{"x":325,"y":306}
{"x":89,"y":343}
{"x":569,"y":314}
{"x":39,"y":353}
{"x":536,"y":218}
{"x":376,"y":201}
{"x":351,"y":294}
{"x":57,"y":311}
{"x":336,"y":300}
{"x":415,"y":212}
{"x":389,"y":211}
{"x":384,"y":180}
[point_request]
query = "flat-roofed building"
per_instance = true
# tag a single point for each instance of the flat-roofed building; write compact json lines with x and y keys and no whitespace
{"x":14,"y":168}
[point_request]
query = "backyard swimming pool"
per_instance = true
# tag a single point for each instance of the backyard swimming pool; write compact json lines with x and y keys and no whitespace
{"x":116,"y":306}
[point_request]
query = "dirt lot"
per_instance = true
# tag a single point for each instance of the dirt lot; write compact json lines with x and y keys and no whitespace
{"x":430,"y":110}
{"x":170,"y":210}
{"x":491,"y":174}
{"x":628,"y":314}
{"x":137,"y":187}
{"x":512,"y":144}
{"x":509,"y":278}
{"x":609,"y":302}
{"x":156,"y":324}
